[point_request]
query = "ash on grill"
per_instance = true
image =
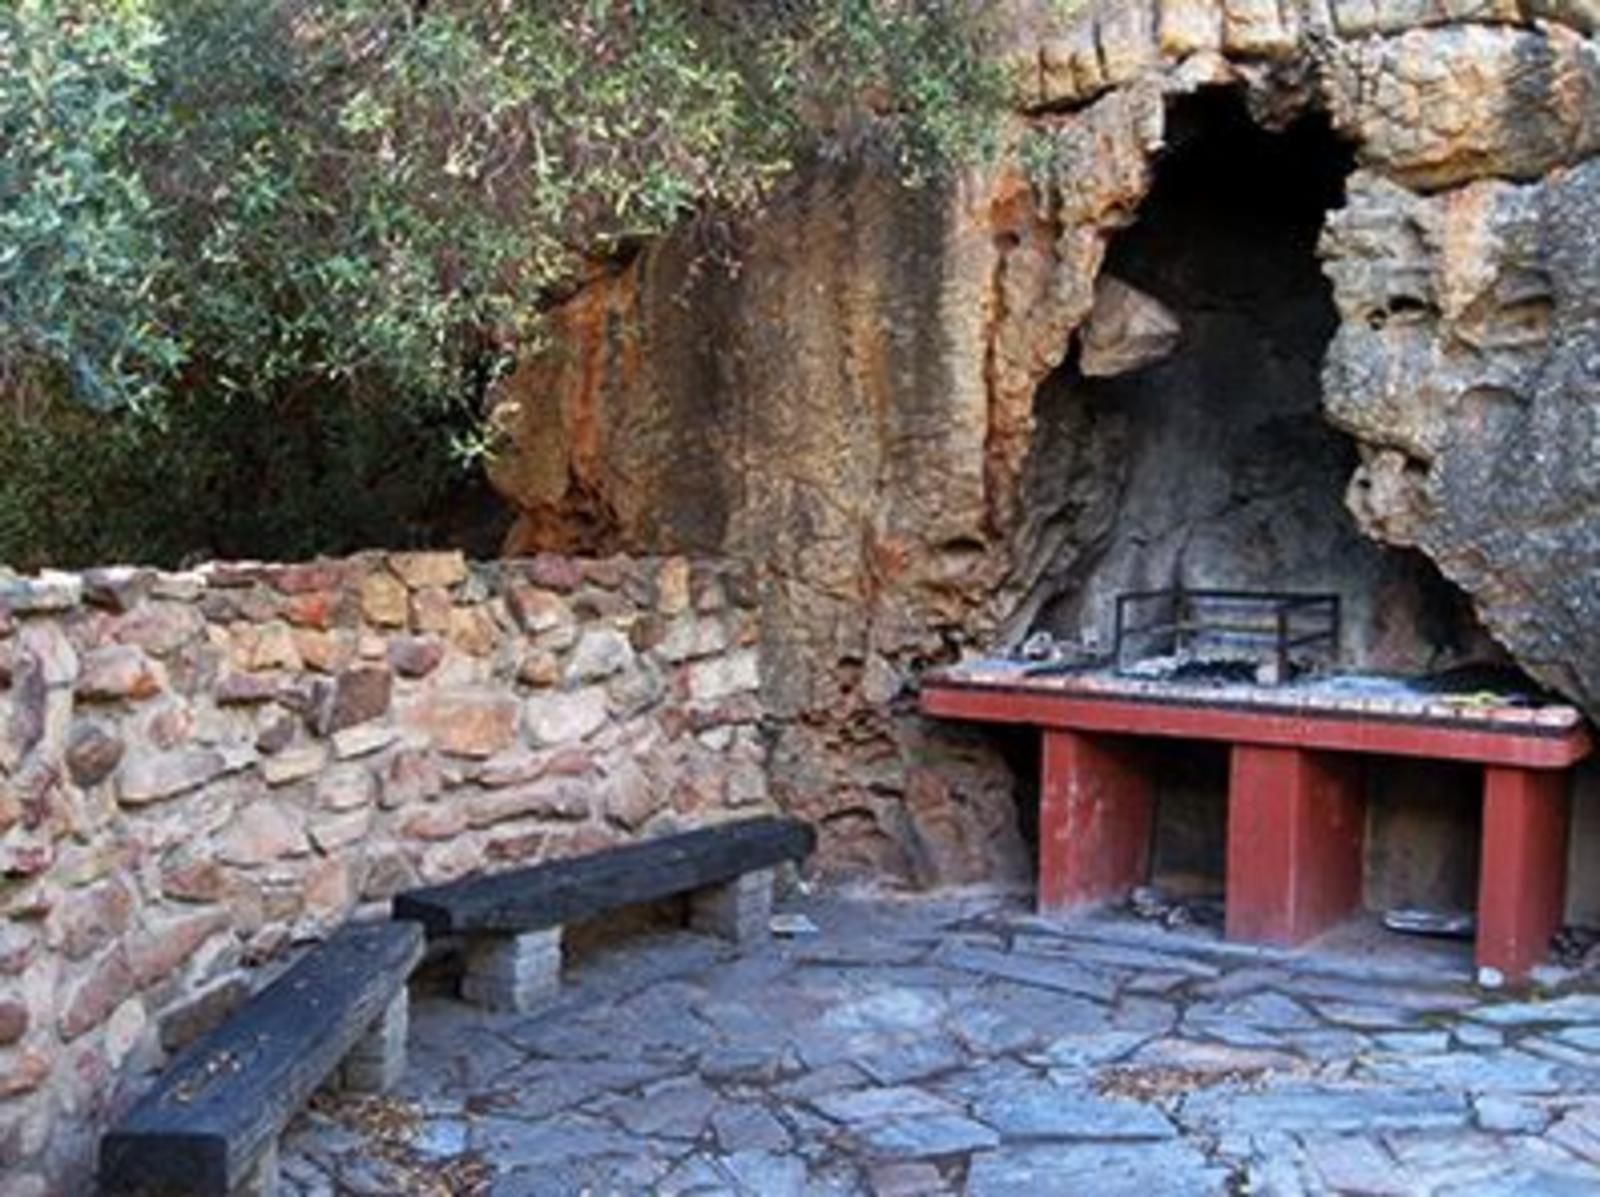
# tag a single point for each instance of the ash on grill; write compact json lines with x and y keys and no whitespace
{"x":1221,"y":637}
{"x":1230,"y":636}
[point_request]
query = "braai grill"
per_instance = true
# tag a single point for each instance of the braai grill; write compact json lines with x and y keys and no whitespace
{"x":1253,"y":628}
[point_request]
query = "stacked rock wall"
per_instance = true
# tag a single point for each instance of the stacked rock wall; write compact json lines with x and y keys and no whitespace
{"x":199,"y":770}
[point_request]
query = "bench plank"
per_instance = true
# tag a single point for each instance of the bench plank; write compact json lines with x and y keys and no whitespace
{"x":565,"y":891}
{"x":226,"y":1098}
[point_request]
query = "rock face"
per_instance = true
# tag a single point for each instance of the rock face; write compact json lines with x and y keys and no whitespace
{"x":1467,"y":364}
{"x":889,"y":404}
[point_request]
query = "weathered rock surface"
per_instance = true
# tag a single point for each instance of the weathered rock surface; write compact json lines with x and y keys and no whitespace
{"x":864,"y":407}
{"x":1466,"y":365}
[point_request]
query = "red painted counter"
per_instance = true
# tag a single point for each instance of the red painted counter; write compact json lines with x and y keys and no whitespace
{"x":1296,"y":806}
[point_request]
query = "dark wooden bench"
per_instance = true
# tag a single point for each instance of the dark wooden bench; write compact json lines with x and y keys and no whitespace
{"x":211,"y":1124}
{"x":512,"y":921}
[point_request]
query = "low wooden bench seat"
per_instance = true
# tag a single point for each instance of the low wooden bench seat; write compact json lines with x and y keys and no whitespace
{"x":210,"y":1126}
{"x":512,"y":921}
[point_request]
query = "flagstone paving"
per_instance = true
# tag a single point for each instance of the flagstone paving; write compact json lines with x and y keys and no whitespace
{"x":915,"y":1048}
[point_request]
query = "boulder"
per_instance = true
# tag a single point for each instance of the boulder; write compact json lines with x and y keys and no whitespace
{"x":1126,"y":330}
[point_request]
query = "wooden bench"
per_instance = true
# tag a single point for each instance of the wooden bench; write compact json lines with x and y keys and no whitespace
{"x":512,"y":922}
{"x":210,"y":1127}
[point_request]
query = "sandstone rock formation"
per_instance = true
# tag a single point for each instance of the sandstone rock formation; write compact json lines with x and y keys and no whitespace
{"x":1127,"y":330}
{"x":877,"y":394}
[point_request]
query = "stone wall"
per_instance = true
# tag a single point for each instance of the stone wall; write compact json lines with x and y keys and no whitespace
{"x":199,"y":770}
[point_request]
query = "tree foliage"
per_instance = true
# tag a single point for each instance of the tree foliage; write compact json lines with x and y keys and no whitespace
{"x":344,"y":218}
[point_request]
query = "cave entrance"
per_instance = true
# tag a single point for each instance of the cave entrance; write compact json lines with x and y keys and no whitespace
{"x":1213,"y":467}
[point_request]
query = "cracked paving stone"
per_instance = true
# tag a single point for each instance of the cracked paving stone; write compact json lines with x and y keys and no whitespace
{"x":1239,"y":1036}
{"x":1069,"y":1052}
{"x":1529,"y":1182}
{"x":1146,"y":1014}
{"x":1132,"y":959}
{"x":1001,"y":1017}
{"x":823,"y":1080}
{"x":617,"y":1173}
{"x":1203,"y":1058}
{"x":906,"y":1010}
{"x":913,"y":1061}
{"x":1578,"y":1131}
{"x":1440,"y":1160}
{"x":1364,"y":1017}
{"x":1585,"y":1038}
{"x":965,"y":1057}
{"x":973,"y":1084}
{"x":1508,"y":1072}
{"x":1269,"y":1011}
{"x":1561,"y":1053}
{"x":1471,"y":1034}
{"x":1332,"y":1111}
{"x":547,"y":1086}
{"x":1332,"y":1043}
{"x":745,"y":1064}
{"x":1042,"y":1110}
{"x":870,"y":952}
{"x":1418,"y":999}
{"x":862,"y":1105}
{"x":907,"y":1178}
{"x":676,"y":1109}
{"x":764,"y":1174}
{"x":1353,"y":1164}
{"x":1509,"y":1115}
{"x":1102,"y":1169}
{"x":1156,"y":983}
{"x":1059,"y":975}
{"x":749,"y":1127}
{"x":1581,"y":1007}
{"x":923,"y":1136}
{"x":515,"y":1143}
{"x":1413,"y":1043}
{"x":560,"y":1038}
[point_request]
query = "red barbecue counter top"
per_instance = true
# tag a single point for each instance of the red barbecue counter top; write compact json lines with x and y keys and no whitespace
{"x":1296,"y":806}
{"x":1339,"y":714}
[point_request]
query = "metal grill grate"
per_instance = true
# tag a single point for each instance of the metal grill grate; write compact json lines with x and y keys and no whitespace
{"x":1264,"y":625}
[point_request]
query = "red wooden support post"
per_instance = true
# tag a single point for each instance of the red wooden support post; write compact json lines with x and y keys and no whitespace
{"x":1296,"y":823}
{"x":1095,"y":819}
{"x":1523,"y":868}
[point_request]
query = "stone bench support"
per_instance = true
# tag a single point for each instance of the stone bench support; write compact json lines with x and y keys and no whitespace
{"x":512,"y":973}
{"x":739,"y":911}
{"x":376,"y":1062}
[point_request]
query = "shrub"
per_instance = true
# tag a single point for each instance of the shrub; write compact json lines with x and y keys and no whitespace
{"x":259,"y":255}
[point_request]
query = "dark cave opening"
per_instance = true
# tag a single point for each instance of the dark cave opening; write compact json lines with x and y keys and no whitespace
{"x":1214,"y":467}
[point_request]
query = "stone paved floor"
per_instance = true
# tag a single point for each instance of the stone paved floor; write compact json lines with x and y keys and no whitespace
{"x":925,"y":1048}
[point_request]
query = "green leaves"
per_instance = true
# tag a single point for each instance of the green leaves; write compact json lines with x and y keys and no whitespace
{"x":364,"y":204}
{"x":81,"y":257}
